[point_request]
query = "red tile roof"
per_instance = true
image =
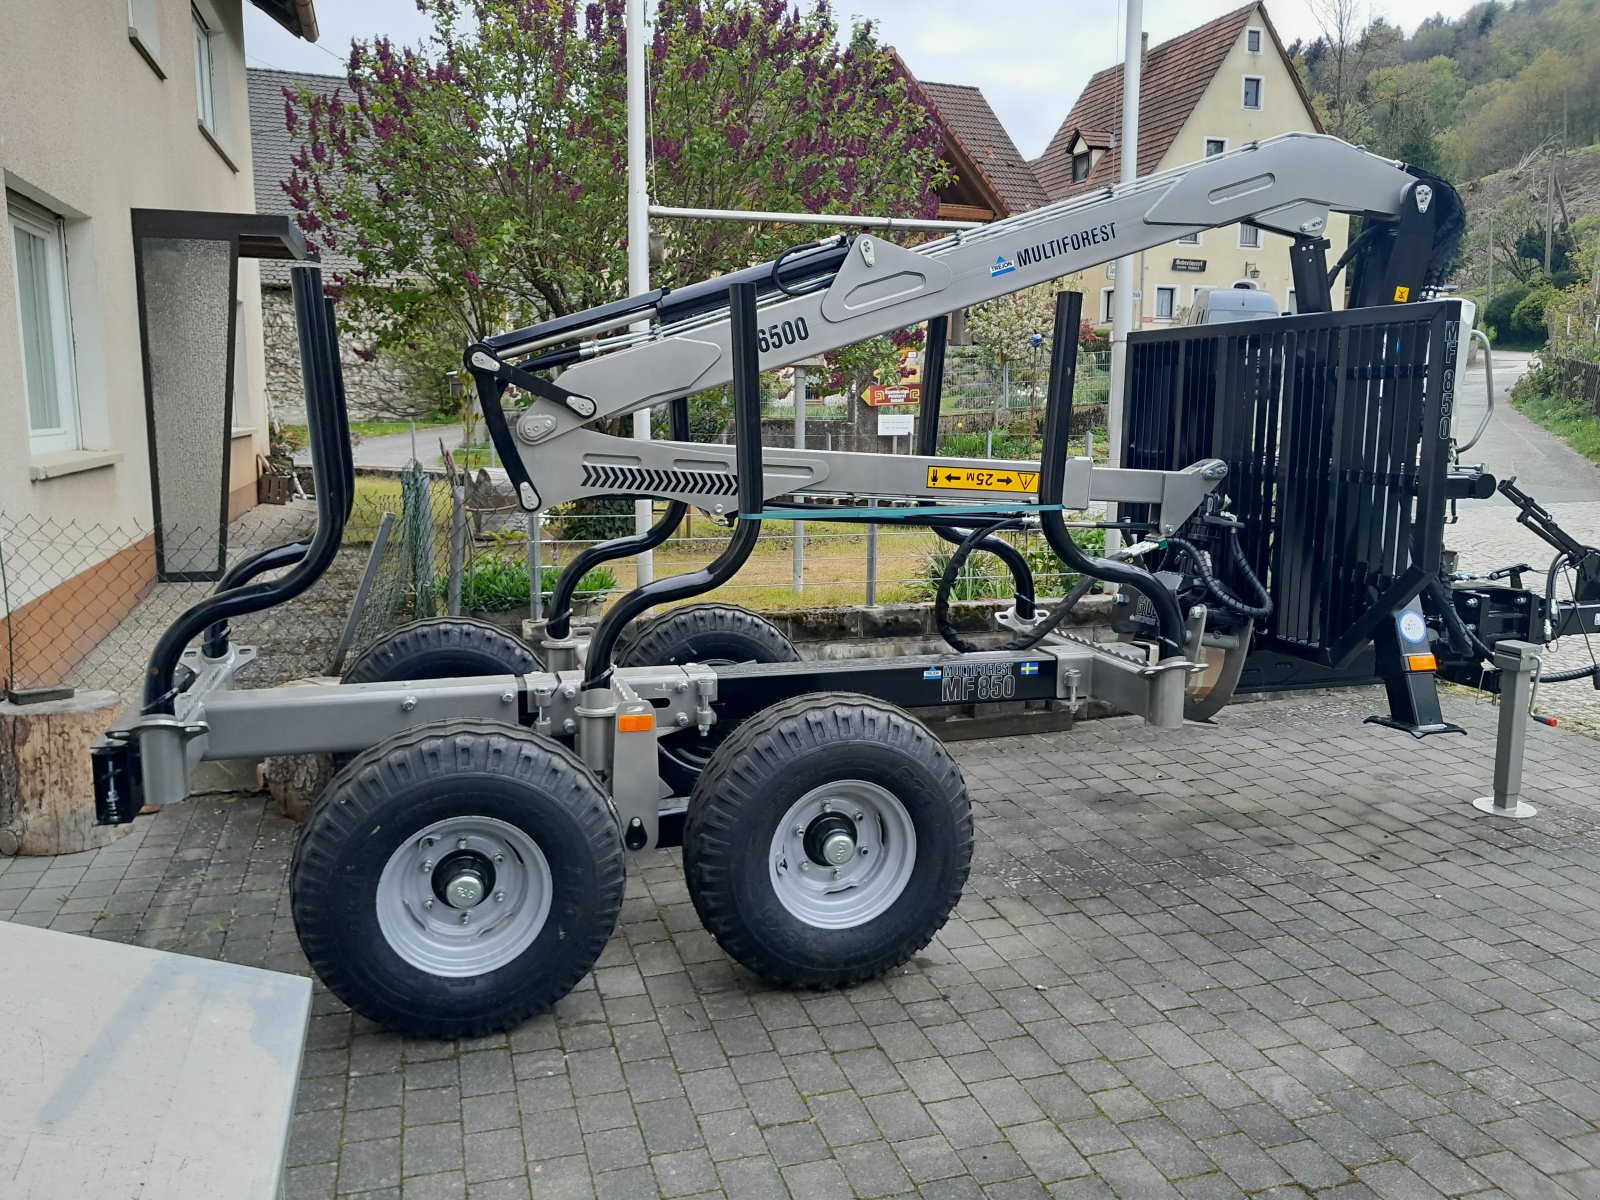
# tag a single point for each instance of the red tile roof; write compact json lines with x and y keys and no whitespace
{"x":977,"y":133}
{"x":1174,"y":76}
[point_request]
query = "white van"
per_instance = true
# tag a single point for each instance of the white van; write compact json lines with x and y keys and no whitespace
{"x":1214,"y":306}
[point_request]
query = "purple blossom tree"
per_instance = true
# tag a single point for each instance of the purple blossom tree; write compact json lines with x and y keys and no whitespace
{"x":479,"y":180}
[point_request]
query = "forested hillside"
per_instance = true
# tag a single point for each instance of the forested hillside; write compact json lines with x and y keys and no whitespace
{"x":1505,"y":102}
{"x":1466,"y":97}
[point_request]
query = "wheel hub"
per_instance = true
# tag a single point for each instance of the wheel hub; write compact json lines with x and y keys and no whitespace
{"x":830,"y":840}
{"x":470,"y":910}
{"x":842,"y":854}
{"x":463,"y":879}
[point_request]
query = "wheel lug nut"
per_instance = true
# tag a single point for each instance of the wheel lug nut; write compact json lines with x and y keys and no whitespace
{"x":461,"y":843}
{"x":799,"y":831}
{"x":427,"y":865}
{"x":465,"y":917}
{"x":428,"y":903}
{"x":499,"y":858}
{"x":499,"y":897}
{"x":860,"y":816}
{"x":836,"y":872}
{"x":805,"y":866}
{"x":827,"y":806}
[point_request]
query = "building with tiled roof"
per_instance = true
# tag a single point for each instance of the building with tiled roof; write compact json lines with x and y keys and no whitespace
{"x":991,"y":178}
{"x":1215,"y":88}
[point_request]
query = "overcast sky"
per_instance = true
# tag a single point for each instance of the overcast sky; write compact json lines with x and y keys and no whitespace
{"x":1030,"y":57}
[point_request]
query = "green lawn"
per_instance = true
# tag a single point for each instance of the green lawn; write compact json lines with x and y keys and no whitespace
{"x":1537,"y":397}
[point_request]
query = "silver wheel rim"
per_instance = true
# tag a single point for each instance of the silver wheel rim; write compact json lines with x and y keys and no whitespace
{"x":503,"y":889}
{"x":829,"y":894}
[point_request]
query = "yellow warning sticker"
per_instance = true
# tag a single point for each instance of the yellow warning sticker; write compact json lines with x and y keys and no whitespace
{"x":1402,"y":294}
{"x":974,"y":479}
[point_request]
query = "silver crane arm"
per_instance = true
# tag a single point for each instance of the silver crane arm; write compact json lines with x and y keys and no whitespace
{"x":679,"y":342}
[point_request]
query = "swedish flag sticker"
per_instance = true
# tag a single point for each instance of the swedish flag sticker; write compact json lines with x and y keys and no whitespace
{"x":1029,"y":668}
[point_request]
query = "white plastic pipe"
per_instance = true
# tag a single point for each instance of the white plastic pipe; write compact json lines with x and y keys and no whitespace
{"x":1127,"y":279}
{"x":807,"y":218}
{"x":638,"y":240}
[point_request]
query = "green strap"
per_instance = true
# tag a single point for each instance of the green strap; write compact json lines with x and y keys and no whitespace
{"x":898,"y":514}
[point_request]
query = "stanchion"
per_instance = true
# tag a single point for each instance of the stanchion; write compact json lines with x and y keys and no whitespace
{"x":1518,"y":662}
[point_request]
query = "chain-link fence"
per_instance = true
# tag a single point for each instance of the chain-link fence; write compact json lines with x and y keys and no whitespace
{"x":84,"y":606}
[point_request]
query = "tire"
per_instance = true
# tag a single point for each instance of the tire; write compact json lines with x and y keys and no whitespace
{"x":384,"y":936}
{"x":715,"y":634}
{"x":802,"y":763}
{"x":706,"y":633}
{"x":442,"y":648}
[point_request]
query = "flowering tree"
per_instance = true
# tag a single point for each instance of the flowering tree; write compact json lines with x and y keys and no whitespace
{"x":483,"y":176}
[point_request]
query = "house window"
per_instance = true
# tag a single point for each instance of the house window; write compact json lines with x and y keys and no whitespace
{"x":1166,"y":302}
{"x":1215,"y":146}
{"x":1189,"y":239}
{"x":1249,"y":237}
{"x":1252,"y":40}
{"x":1080,"y":167}
{"x":145,"y":33}
{"x":1252,"y":91}
{"x":39,"y":252}
{"x":1105,"y":304}
{"x":203,"y":74}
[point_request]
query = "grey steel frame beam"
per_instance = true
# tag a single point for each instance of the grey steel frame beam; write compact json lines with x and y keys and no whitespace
{"x":590,"y":463}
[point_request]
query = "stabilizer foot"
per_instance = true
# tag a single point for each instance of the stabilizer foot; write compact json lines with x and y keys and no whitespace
{"x":1519,"y":811}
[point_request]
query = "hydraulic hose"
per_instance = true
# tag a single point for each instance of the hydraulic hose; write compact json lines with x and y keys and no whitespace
{"x":952,"y":571}
{"x":1224,"y":597}
{"x":1016,"y":562}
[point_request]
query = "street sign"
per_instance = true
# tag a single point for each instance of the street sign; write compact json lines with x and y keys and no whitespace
{"x":892,"y":424}
{"x":880,"y":396}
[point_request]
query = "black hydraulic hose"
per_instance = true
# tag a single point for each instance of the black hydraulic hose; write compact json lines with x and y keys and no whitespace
{"x":751,"y":492}
{"x":342,"y":483}
{"x":1213,"y":586}
{"x":559,"y":624}
{"x":1053,"y":485}
{"x":323,"y":400}
{"x":947,"y":629}
{"x":1590,"y":672}
{"x":1462,"y":639}
{"x":273,"y":558}
{"x":1016,"y":562}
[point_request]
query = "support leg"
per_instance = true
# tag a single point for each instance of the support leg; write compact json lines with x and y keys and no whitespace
{"x":1517,"y":662}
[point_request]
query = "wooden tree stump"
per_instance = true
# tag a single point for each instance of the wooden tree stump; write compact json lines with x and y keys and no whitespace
{"x":46,"y":780}
{"x":296,"y":780}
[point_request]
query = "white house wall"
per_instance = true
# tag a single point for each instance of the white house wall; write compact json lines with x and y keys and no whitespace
{"x":89,"y":130}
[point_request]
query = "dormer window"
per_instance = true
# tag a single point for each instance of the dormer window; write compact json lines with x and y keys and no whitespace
{"x":1252,"y":41}
{"x":1080,"y":166}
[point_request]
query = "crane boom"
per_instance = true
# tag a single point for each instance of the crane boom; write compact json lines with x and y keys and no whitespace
{"x":835,"y":293}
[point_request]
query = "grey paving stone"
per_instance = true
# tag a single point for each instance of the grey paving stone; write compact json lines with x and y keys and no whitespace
{"x":1259,"y":963}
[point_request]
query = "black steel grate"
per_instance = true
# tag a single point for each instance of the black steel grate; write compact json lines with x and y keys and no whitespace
{"x":1335,"y":429}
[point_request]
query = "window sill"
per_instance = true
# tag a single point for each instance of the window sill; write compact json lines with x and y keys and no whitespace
{"x":206,"y":133}
{"x":243,"y":431}
{"x":145,"y":53}
{"x":70,"y":462}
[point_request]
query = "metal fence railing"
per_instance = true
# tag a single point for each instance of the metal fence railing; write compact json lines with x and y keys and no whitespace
{"x":83,"y":606}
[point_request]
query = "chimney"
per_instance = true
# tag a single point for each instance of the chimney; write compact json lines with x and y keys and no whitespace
{"x":1144,"y":47}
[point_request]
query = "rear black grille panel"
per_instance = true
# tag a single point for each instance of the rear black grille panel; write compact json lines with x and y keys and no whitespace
{"x":1335,"y":429}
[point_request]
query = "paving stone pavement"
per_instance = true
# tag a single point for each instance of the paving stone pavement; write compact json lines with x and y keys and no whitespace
{"x":1277,"y":957}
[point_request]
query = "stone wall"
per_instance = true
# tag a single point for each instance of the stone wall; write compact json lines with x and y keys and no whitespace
{"x":373,"y":390}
